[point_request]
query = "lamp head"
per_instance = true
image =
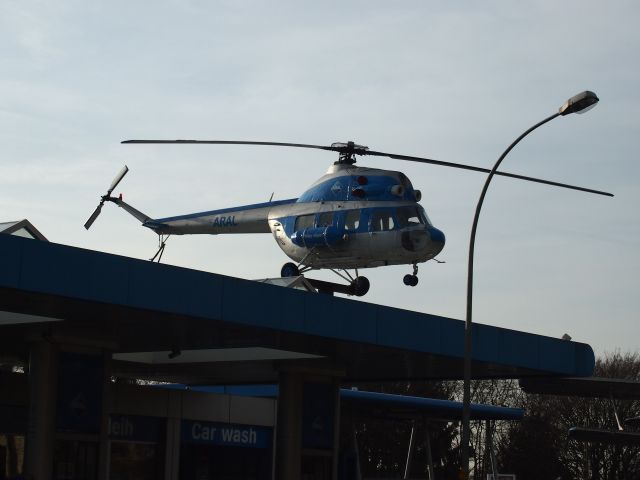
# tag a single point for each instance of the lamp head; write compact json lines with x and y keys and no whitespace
{"x":580,"y":103}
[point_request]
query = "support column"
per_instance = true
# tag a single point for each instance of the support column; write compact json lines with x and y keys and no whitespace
{"x":427,"y":445}
{"x":104,"y":451}
{"x":308,"y":425}
{"x":173,"y":439}
{"x":43,"y":369}
{"x":407,"y":465}
{"x":288,"y":446}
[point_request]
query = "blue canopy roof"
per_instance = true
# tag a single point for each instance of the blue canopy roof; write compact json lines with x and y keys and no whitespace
{"x":140,"y":306}
{"x":393,"y":404}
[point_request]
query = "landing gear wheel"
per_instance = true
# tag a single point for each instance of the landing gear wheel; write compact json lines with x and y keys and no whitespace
{"x":289,"y":270}
{"x":410,"y":280}
{"x":360,"y":286}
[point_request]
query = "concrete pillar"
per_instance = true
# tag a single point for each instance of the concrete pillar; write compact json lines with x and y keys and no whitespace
{"x":308,"y":424}
{"x":43,"y":368}
{"x":427,"y":446}
{"x":172,"y":446}
{"x":335,"y":384}
{"x":104,"y":454}
{"x":288,"y":448}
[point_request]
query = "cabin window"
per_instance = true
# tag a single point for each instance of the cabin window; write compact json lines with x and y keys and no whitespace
{"x":325,"y":219}
{"x":304,"y":221}
{"x":381,"y":221}
{"x":352,"y":220}
{"x":424,"y":216}
{"x":409,"y":217}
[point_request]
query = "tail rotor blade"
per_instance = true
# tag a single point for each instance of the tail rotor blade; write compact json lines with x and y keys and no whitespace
{"x":93,"y":216}
{"x":117,"y":180}
{"x":107,"y":197}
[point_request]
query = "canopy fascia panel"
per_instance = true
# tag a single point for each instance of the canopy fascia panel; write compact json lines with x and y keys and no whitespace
{"x":143,"y":306}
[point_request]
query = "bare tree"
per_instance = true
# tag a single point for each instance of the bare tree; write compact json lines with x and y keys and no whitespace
{"x":383,"y":435}
{"x":539,"y":447}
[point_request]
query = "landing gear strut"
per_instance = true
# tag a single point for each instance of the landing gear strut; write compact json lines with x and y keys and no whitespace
{"x":358,"y":286}
{"x":162,"y":242}
{"x":411,"y":280}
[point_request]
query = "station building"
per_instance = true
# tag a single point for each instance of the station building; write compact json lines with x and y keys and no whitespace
{"x":79,"y":329}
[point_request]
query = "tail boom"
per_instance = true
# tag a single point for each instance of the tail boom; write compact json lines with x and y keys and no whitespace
{"x":129,"y":209}
{"x":244,"y":219}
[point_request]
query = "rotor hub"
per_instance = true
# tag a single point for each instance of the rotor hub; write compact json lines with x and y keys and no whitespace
{"x":348,"y":151}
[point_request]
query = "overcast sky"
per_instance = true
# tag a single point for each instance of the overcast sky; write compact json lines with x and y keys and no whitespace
{"x":456,"y":81}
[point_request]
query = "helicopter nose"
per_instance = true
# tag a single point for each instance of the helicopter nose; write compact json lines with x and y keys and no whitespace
{"x":437,"y":237}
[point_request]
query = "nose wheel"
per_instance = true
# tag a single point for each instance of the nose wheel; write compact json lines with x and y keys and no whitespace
{"x":411,"y":280}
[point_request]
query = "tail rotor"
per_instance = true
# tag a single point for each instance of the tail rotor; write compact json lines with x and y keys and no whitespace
{"x":118,"y":178}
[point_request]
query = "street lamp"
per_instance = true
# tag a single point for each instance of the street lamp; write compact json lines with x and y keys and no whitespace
{"x":579,"y":103}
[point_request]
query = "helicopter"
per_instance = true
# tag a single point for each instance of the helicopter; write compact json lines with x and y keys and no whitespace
{"x":351,"y":218}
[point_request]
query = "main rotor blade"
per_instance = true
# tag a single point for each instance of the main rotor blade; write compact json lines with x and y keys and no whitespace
{"x":93,"y":216}
{"x":117,"y":179}
{"x":235,"y":142}
{"x":350,"y":148}
{"x":484,"y":170}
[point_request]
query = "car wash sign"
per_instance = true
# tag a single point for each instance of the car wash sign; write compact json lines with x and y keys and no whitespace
{"x":226,"y":434}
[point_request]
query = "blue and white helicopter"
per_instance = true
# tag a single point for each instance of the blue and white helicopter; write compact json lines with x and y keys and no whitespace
{"x":350,"y":218}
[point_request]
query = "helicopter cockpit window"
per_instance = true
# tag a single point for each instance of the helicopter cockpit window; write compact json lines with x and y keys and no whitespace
{"x":352,"y":220}
{"x":382,"y":221}
{"x":424,"y":216}
{"x":304,"y":221}
{"x":408,"y":217}
{"x":325,"y":219}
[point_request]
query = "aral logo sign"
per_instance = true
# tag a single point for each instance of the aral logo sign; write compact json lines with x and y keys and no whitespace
{"x":226,"y":434}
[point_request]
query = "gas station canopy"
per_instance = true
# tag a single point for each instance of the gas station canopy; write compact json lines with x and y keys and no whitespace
{"x":175,"y":324}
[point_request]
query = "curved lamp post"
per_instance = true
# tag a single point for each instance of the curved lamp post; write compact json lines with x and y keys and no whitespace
{"x":577,"y":104}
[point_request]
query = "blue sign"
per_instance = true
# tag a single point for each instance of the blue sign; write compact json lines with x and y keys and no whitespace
{"x":227,"y":434}
{"x":79,"y":399}
{"x":318,"y":415}
{"x":135,"y":428}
